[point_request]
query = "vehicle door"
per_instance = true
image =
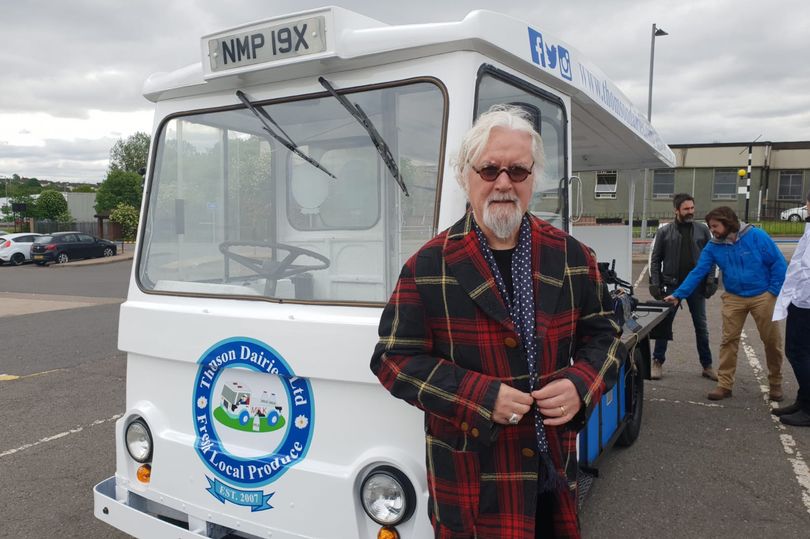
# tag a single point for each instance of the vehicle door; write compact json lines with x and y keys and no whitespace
{"x":550,"y":199}
{"x":89,"y":247}
{"x":24,"y":244}
{"x":69,"y":244}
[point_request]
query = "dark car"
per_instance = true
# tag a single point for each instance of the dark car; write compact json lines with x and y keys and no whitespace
{"x":61,"y":247}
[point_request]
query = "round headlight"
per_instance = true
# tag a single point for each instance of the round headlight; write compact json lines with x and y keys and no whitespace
{"x":139,"y":441}
{"x":387,"y":496}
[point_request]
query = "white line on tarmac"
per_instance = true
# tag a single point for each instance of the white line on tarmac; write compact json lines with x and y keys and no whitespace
{"x":641,"y":275}
{"x":705,"y":404}
{"x":57,"y":436}
{"x":794,"y":456}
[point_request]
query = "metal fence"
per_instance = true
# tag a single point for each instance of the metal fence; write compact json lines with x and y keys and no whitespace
{"x":109,"y":230}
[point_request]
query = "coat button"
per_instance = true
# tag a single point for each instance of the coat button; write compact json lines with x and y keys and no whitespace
{"x":528,"y":453}
{"x":510,"y":342}
{"x":474,"y":432}
{"x":464,"y":426}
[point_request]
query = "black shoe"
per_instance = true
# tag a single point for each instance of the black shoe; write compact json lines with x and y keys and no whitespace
{"x":796,"y":419}
{"x":785,"y":410}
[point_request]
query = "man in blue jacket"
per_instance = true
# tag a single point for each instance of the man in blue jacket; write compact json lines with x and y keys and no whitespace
{"x":753,"y":271}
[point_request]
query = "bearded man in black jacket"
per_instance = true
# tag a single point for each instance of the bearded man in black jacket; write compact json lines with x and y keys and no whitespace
{"x":676,"y":250}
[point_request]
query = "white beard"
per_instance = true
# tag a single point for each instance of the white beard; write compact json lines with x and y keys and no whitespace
{"x":502,"y":219}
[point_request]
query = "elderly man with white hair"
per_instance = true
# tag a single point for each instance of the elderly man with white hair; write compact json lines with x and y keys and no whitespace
{"x":500,"y":330}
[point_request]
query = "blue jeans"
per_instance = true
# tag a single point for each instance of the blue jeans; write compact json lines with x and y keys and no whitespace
{"x":697,"y":308}
{"x":797,"y":350}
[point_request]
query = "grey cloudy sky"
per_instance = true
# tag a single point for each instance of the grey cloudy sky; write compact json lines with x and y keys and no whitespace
{"x":730,"y":70}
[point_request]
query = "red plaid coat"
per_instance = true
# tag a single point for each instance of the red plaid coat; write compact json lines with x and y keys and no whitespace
{"x":446,"y":344}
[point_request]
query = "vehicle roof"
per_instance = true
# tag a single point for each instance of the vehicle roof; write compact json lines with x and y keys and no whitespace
{"x":607,"y":130}
{"x":18,"y":234}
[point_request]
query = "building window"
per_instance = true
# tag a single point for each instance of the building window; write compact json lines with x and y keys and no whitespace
{"x":790,"y":185}
{"x":605,"y":184}
{"x":725,"y":184}
{"x":663,"y":183}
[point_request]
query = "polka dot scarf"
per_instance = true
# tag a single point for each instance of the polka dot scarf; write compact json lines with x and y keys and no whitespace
{"x":521,"y":310}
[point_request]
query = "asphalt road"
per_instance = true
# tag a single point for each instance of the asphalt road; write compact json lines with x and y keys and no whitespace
{"x":698,"y":469}
{"x":58,"y":332}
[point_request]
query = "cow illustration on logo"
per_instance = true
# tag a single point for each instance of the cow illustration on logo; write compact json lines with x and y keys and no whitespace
{"x":253,"y":418}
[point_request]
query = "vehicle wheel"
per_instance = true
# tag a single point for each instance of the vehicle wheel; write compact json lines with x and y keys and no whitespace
{"x":795,"y":218}
{"x":272,"y":418}
{"x":244,"y":418}
{"x":17,"y":259}
{"x":62,"y":258}
{"x":634,"y":395}
{"x":108,"y":251}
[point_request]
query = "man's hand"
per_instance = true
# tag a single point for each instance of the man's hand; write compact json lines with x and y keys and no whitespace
{"x":508,"y":402}
{"x":558,"y":401}
{"x":672,"y":299}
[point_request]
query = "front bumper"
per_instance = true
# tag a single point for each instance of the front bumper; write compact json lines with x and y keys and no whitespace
{"x":130,"y":520}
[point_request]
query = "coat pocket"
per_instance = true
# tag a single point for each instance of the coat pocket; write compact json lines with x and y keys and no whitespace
{"x":454,"y":483}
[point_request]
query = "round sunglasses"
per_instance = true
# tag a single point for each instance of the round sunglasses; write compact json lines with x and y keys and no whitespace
{"x":516,"y":173}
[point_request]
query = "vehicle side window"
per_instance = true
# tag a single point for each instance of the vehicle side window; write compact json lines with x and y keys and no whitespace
{"x":551,"y":121}
{"x":26,"y":239}
{"x":69,"y":238}
{"x":84,"y":238}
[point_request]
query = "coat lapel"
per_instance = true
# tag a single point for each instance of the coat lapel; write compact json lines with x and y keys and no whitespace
{"x":466,"y":263}
{"x":548,"y":272}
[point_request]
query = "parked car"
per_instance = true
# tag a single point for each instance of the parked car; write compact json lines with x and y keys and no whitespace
{"x":799,"y":213}
{"x":61,"y":247}
{"x":16,"y":248}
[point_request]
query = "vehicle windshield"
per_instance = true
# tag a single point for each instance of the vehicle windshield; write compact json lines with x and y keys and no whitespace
{"x":43,"y":239}
{"x":234,"y":212}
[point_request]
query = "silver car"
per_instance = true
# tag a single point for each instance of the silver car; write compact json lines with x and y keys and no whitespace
{"x":16,"y":248}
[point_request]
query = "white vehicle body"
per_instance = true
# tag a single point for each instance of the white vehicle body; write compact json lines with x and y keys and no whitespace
{"x":16,"y":248}
{"x":253,"y":265}
{"x":799,"y":213}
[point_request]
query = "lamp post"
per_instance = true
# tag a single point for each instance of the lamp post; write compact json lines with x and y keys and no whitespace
{"x":656,"y":32}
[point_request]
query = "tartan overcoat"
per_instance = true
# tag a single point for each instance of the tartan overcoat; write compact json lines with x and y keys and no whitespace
{"x":446,"y":344}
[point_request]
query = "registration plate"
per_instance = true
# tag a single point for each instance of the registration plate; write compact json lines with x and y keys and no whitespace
{"x":38,"y":257}
{"x":269,"y":44}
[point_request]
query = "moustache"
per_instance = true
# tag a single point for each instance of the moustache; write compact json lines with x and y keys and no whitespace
{"x":503,"y":197}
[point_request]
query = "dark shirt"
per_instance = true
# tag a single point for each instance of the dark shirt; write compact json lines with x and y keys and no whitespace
{"x":685,"y":260}
{"x":503,"y":258}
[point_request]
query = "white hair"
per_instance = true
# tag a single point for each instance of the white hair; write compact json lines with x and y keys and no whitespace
{"x":473,"y":143}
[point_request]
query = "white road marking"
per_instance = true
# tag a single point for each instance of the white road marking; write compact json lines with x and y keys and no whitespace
{"x":641,"y":276}
{"x":705,"y":404}
{"x":58,"y":436}
{"x":797,"y":462}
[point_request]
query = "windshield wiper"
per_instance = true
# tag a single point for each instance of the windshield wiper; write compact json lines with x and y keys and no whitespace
{"x":286,"y":140}
{"x":363,"y":119}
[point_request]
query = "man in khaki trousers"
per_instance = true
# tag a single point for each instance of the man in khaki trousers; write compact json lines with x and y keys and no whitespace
{"x":753,"y":271}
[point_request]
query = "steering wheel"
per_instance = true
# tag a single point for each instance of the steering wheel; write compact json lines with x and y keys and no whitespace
{"x":276,"y":267}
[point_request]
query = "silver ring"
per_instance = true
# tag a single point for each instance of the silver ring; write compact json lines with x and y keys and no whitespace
{"x":562,"y":410}
{"x":513,"y":419}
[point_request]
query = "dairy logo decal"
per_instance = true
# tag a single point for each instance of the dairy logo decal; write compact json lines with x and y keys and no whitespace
{"x":253,"y":418}
{"x":549,"y":56}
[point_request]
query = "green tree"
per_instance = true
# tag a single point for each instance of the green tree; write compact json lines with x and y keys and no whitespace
{"x":50,"y":204}
{"x":65,"y":218}
{"x":120,"y":186}
{"x":130,"y":155}
{"x":84,"y":188}
{"x":126,"y":216}
{"x":30,"y":205}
